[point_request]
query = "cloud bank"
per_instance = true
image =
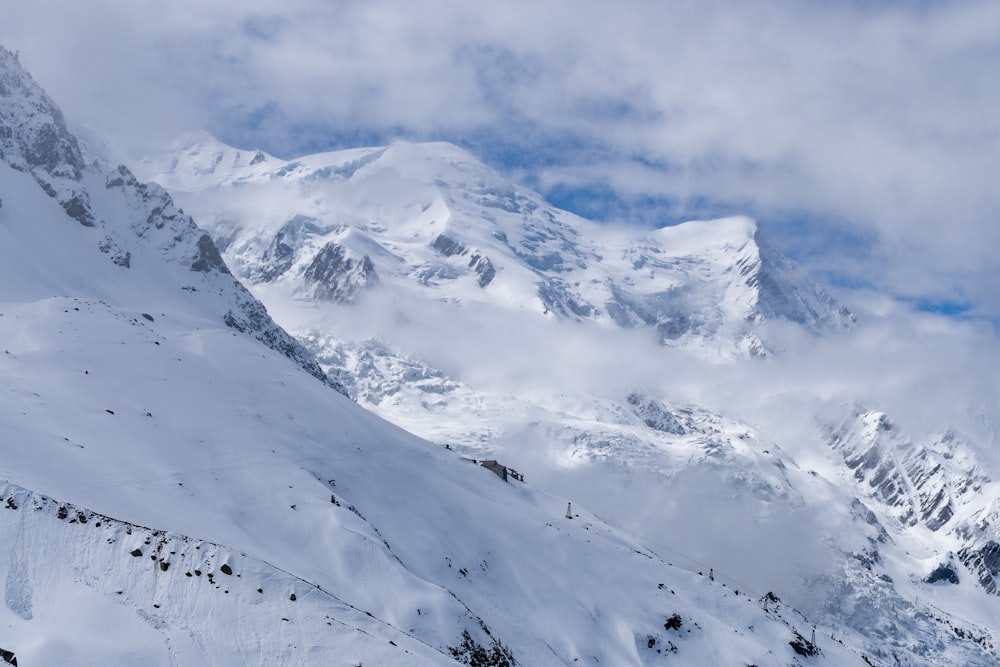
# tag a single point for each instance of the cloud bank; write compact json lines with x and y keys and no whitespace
{"x":863,"y":134}
{"x":928,"y":372}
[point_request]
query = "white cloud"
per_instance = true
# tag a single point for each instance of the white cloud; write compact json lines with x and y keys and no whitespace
{"x":928,"y":372}
{"x":878,"y":120}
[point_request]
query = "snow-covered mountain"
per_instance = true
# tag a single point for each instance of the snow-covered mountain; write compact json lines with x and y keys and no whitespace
{"x":429,"y":221}
{"x":180,"y":484}
{"x":453,"y":302}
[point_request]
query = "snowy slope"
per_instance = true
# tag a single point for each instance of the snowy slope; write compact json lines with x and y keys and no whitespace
{"x":179,"y":487}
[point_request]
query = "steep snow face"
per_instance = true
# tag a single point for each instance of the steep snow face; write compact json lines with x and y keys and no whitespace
{"x":434,"y":223}
{"x":297,"y":515}
{"x":177,"y":487}
{"x":85,"y":588}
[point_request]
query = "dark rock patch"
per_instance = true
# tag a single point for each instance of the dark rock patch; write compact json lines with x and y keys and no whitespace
{"x":673,"y":623}
{"x":447,"y":246}
{"x":942,"y":572}
{"x":208,"y":257}
{"x":338,"y":278}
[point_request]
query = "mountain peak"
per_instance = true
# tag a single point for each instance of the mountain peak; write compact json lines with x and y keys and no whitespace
{"x":196,"y":156}
{"x":190,"y":487}
{"x":734,"y":230}
{"x":34,"y":134}
{"x":785,"y":291}
{"x":34,"y":139}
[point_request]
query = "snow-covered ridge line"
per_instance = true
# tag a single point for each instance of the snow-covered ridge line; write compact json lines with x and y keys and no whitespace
{"x":180,"y":239}
{"x":430,"y":221}
{"x":167,"y":577}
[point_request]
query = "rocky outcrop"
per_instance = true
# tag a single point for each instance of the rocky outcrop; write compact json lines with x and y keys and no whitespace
{"x":558,"y":297}
{"x":981,"y":553}
{"x":870,"y":453}
{"x":251,"y":318}
{"x":334,"y":276}
{"x":919,"y":482}
{"x":984,"y":562}
{"x":34,"y":139}
{"x":654,"y":414}
{"x":924,"y":484}
{"x":483,"y":268}
{"x":448,"y":246}
{"x":158,"y":220}
{"x":278,"y":258}
{"x":283,"y":249}
{"x":942,"y":573}
{"x":480,"y":264}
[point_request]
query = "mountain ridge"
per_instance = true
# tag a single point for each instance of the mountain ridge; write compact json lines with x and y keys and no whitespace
{"x":457,"y":221}
{"x":37,"y":141}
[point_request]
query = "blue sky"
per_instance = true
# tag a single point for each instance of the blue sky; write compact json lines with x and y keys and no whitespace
{"x":864,"y":136}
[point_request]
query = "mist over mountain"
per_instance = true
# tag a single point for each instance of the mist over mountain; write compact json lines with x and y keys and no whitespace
{"x":385,"y":406}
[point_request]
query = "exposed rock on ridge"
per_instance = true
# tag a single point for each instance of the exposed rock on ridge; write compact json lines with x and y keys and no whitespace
{"x":333,"y":276}
{"x":34,"y":138}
